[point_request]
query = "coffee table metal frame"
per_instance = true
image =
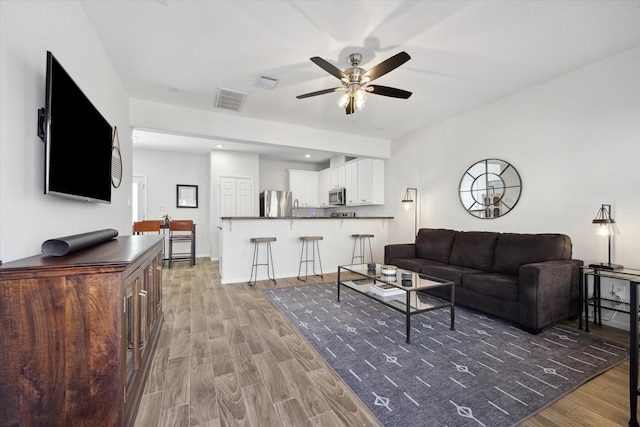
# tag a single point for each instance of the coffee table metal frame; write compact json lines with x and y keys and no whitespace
{"x":413,"y":301}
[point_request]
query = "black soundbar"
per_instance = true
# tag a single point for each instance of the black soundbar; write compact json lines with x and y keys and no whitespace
{"x":66,"y":245}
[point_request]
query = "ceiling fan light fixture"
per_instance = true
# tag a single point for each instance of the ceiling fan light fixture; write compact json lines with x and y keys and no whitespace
{"x":343,"y":100}
{"x":355,"y":81}
{"x":360,"y":99}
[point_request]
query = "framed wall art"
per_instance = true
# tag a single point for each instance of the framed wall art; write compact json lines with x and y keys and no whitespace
{"x":186,"y":196}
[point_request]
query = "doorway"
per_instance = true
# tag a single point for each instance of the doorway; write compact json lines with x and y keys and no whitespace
{"x":139,"y":198}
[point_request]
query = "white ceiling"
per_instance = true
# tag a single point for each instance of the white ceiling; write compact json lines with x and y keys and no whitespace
{"x":464,"y":54}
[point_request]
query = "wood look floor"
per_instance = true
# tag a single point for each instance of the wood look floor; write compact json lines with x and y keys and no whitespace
{"x":227,"y":357}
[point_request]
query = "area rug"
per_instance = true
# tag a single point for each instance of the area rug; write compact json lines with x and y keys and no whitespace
{"x":486,"y":372}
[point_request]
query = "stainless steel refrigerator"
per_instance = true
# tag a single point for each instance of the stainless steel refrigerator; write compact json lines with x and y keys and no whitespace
{"x":275,"y":203}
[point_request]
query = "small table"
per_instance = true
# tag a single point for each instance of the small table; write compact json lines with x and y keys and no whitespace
{"x":632,"y":276}
{"x":410,"y":302}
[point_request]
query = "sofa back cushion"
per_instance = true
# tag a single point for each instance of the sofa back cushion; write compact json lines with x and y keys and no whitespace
{"x":434,"y":244}
{"x":473,"y":249}
{"x":514,"y":250}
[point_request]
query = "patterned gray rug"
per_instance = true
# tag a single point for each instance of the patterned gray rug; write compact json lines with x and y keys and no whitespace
{"x":485,"y":373}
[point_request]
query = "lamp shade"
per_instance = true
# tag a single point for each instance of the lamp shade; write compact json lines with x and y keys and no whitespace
{"x":603,"y":224}
{"x":407,"y":201}
{"x":343,"y":100}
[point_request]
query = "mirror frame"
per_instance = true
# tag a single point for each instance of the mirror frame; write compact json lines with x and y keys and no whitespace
{"x":490,"y":188}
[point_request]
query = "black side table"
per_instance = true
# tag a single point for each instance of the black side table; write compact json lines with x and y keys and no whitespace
{"x":632,"y":276}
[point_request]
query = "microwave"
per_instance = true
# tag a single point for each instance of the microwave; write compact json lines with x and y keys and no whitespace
{"x":337,"y":196}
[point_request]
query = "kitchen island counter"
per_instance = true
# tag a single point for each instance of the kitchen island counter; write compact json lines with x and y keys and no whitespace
{"x":336,"y":247}
{"x":240,"y":218}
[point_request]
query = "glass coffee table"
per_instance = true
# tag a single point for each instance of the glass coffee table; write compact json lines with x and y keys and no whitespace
{"x":396,"y":293}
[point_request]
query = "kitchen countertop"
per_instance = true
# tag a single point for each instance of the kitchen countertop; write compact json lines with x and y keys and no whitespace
{"x":235,"y":218}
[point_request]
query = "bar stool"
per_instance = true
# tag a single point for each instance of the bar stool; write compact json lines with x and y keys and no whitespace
{"x":359,"y":243}
{"x":306,"y":260}
{"x":269,"y":259}
{"x":181,"y":232}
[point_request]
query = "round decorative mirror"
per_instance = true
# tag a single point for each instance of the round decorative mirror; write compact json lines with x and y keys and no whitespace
{"x":490,"y":188}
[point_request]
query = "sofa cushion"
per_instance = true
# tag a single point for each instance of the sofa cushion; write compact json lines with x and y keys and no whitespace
{"x":473,"y":249}
{"x":514,"y":250}
{"x":448,"y":272}
{"x":413,"y":264}
{"x":503,"y":286}
{"x":434,"y":243}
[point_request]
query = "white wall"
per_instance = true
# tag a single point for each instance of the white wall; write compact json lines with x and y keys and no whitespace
{"x":163,"y":171}
{"x":229,"y":126}
{"x":27,"y":216}
{"x":274,"y":174}
{"x":574,"y":140}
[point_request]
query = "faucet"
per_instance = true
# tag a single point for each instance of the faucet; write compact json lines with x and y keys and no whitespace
{"x":295,"y":207}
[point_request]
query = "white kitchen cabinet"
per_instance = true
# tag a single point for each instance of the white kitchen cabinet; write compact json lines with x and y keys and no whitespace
{"x":324,"y":185}
{"x":365,"y":182}
{"x":338,"y":177}
{"x":351,"y":183}
{"x":370,"y":181}
{"x":304,"y":187}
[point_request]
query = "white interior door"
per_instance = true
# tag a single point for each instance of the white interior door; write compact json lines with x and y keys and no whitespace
{"x":139,"y":198}
{"x":236,"y":196}
{"x":227,"y":196}
{"x":244,"y":197}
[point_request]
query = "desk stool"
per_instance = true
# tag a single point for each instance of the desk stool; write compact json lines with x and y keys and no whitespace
{"x":306,"y":260}
{"x":359,"y":243}
{"x":268,"y":262}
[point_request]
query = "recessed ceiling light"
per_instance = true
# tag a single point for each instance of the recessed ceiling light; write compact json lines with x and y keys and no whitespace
{"x":266,"y":82}
{"x":219,"y":146}
{"x":307,"y":155}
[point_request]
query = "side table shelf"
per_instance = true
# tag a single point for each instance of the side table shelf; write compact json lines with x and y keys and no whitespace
{"x":632,"y":276}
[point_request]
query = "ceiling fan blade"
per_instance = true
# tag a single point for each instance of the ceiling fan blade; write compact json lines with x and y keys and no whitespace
{"x":388,"y":91}
{"x":329,"y":68}
{"x":386,"y":66}
{"x":320,"y":92}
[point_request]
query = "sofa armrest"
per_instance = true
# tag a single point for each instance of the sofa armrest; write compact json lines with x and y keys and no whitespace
{"x":399,"y":250}
{"x":548,"y":292}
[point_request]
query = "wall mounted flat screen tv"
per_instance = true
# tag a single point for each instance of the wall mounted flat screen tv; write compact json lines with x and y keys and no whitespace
{"x":77,"y":139}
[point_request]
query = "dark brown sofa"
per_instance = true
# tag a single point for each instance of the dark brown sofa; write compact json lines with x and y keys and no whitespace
{"x":529,"y":279}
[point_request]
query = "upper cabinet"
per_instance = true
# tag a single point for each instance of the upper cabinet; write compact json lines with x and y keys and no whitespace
{"x":351,"y":183}
{"x":338,"y":177}
{"x":324,"y":184}
{"x":365,"y":182}
{"x":304,"y":187}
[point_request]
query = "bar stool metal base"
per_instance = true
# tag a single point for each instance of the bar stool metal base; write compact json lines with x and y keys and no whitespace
{"x":359,"y":243}
{"x":271,"y":275}
{"x":306,"y":260}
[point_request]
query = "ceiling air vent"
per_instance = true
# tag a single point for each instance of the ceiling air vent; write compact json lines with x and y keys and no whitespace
{"x":266,"y":82}
{"x":230,"y":99}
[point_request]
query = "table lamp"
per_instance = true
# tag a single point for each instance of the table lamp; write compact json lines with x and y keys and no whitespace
{"x":604,"y":225}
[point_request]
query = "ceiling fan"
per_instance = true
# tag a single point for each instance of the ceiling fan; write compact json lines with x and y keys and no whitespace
{"x":355,"y":81}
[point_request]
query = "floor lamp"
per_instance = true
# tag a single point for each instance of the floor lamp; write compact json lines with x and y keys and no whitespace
{"x":407,"y":202}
